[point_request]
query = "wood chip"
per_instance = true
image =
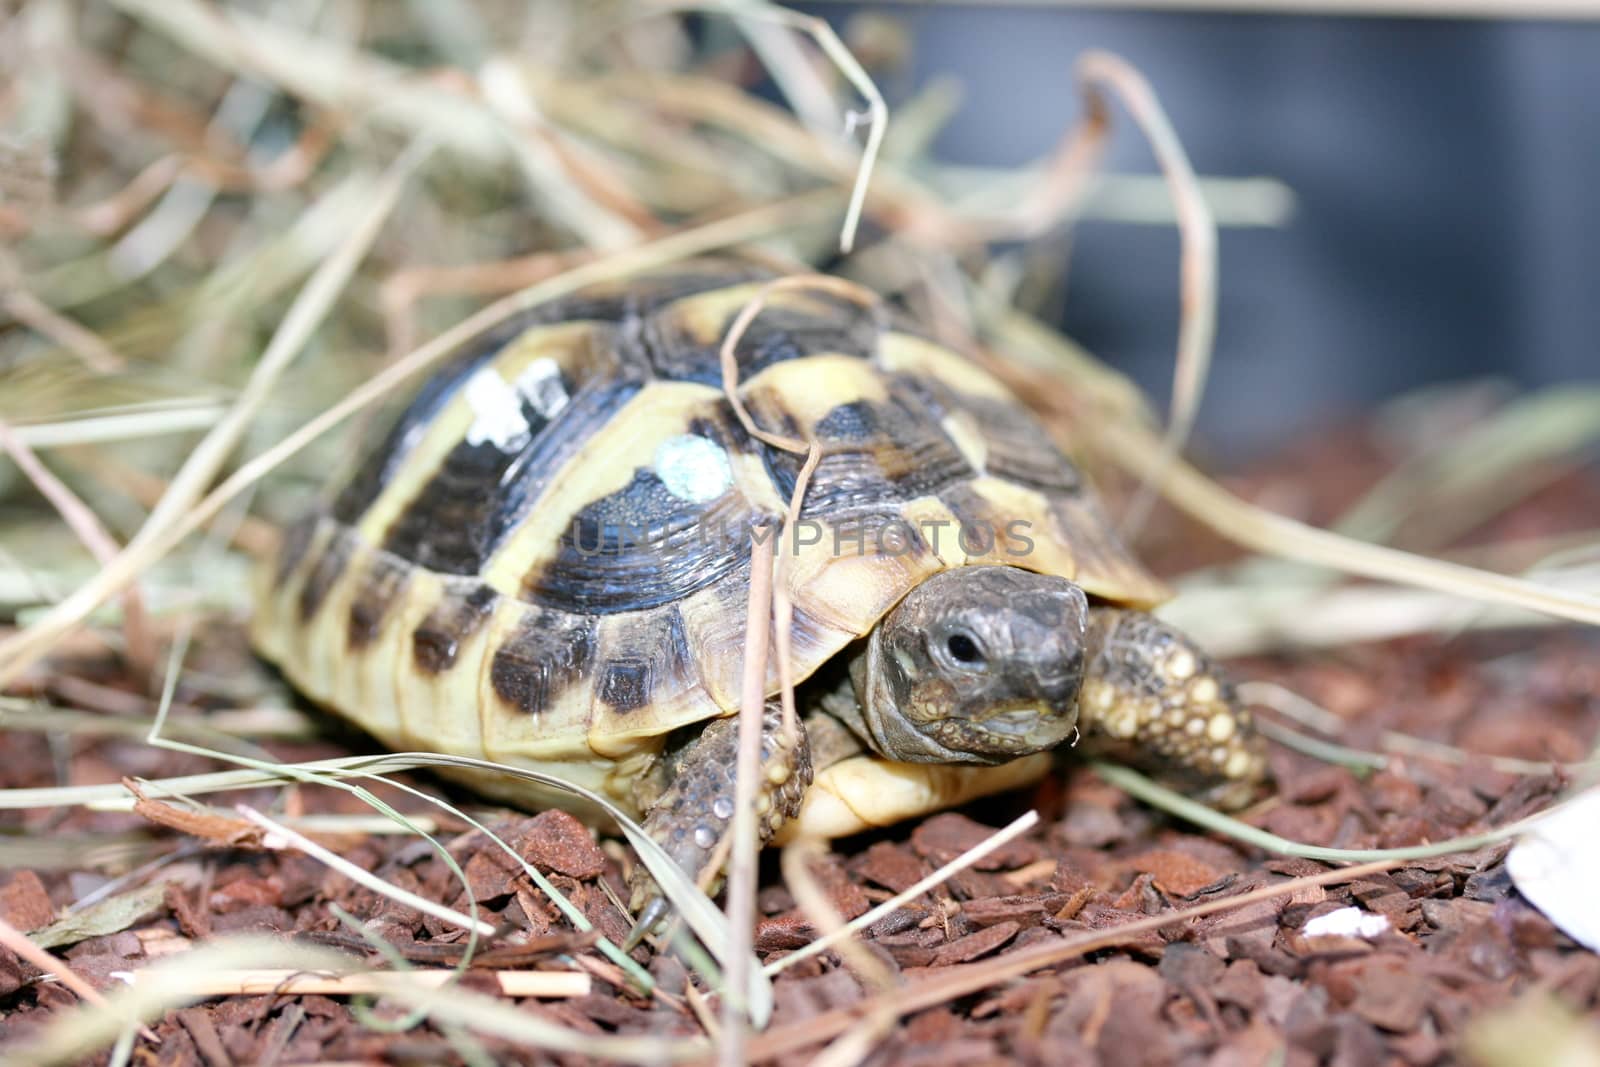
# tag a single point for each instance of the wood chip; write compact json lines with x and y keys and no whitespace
{"x":555,"y":841}
{"x":943,"y":837}
{"x":1023,"y":910}
{"x":25,"y":904}
{"x":972,"y":946}
{"x":1176,"y":873}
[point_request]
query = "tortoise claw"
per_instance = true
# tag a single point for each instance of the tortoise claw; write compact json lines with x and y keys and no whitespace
{"x":650,"y":916}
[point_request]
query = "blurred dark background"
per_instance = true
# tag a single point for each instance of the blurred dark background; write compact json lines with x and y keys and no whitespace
{"x":1446,"y":180}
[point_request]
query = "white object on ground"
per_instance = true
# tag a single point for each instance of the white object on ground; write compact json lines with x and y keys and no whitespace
{"x":1346,"y":922}
{"x":1556,"y":865}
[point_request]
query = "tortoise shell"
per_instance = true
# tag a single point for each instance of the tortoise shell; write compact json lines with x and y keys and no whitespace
{"x":546,"y":561}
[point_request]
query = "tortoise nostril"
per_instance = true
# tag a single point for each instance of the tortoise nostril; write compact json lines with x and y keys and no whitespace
{"x":964,"y":649}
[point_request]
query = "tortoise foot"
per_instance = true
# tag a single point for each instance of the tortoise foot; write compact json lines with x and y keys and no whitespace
{"x":696,"y":812}
{"x":1153,"y":699}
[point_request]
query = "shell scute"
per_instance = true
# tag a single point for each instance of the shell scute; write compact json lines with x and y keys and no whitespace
{"x":542,"y":659}
{"x":684,"y":340}
{"x":458,"y":612}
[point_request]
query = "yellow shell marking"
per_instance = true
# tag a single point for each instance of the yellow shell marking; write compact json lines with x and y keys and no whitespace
{"x":903,"y":352}
{"x":565,"y":343}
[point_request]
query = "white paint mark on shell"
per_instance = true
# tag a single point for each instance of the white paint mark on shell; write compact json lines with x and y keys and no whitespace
{"x":496,"y":412}
{"x":540,"y":385}
{"x":693,"y":468}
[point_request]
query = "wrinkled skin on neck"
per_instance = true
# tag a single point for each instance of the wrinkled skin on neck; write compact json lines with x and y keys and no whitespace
{"x":975,"y":665}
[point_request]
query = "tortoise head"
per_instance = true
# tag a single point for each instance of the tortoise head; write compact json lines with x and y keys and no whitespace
{"x":975,"y":665}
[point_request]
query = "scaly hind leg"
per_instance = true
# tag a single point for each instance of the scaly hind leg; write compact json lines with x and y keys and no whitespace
{"x":1151,"y":698}
{"x":694,"y":814}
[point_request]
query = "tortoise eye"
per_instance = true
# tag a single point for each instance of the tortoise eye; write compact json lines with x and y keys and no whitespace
{"x":964,"y":649}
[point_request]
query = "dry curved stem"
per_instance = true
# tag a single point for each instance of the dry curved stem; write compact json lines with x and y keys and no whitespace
{"x":741,"y":905}
{"x":83,"y":522}
{"x":769,"y":602}
{"x":1061,"y":191}
{"x":1197,"y":267}
{"x":727,"y":355}
{"x":782,"y":607}
{"x":877,"y":117}
{"x":292,"y":167}
{"x":782,"y":603}
{"x":112,"y":214}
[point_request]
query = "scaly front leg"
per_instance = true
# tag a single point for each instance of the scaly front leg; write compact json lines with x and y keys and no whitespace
{"x":696,"y":811}
{"x":1153,"y":699}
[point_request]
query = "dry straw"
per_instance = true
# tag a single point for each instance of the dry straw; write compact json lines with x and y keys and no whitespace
{"x":227,"y":245}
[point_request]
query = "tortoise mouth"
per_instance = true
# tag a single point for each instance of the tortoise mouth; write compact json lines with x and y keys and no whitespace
{"x":1017,"y":722}
{"x":1005,"y":732}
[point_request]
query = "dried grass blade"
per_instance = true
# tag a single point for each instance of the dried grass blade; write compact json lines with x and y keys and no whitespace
{"x":84,"y":523}
{"x":283,"y":982}
{"x":167,"y":984}
{"x":877,"y":118}
{"x":80,"y":341}
{"x":1295,"y":707}
{"x":280,"y":837}
{"x":1158,"y":796}
{"x":1000,"y":837}
{"x":747,"y":773}
{"x":1259,"y":529}
{"x":18,"y":943}
{"x":709,"y":924}
{"x":825,"y":917}
{"x":89,"y":429}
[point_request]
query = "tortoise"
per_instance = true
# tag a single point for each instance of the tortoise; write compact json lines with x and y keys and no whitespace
{"x":546,"y":562}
